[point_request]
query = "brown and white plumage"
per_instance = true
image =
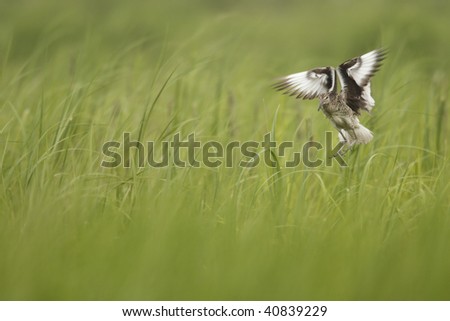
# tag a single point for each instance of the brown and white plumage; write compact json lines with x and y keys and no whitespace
{"x":342,"y":108}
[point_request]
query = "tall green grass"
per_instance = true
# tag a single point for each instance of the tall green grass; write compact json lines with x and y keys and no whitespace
{"x":78,"y":74}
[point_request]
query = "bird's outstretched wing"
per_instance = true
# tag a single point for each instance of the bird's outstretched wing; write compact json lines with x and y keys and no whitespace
{"x":308,"y":84}
{"x":361,"y":69}
{"x":355,"y":75}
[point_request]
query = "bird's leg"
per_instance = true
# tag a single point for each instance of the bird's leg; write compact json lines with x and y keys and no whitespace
{"x":342,"y":135}
{"x":341,"y":150}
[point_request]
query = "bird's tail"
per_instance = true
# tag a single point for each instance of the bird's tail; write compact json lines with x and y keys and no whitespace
{"x":359,"y":135}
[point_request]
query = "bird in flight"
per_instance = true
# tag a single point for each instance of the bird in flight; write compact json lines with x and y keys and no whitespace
{"x":343,"y":108}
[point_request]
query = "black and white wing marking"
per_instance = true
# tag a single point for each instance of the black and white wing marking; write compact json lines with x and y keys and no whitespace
{"x":308,"y":84}
{"x":364,"y":67}
{"x":355,"y":75}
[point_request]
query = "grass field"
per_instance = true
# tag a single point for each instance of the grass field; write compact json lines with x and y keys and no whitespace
{"x":76,"y":74}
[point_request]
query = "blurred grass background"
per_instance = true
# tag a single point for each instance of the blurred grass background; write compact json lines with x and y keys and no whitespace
{"x":75,"y":74}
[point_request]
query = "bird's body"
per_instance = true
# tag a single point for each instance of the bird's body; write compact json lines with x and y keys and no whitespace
{"x":344,"y":119}
{"x":343,"y":108}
